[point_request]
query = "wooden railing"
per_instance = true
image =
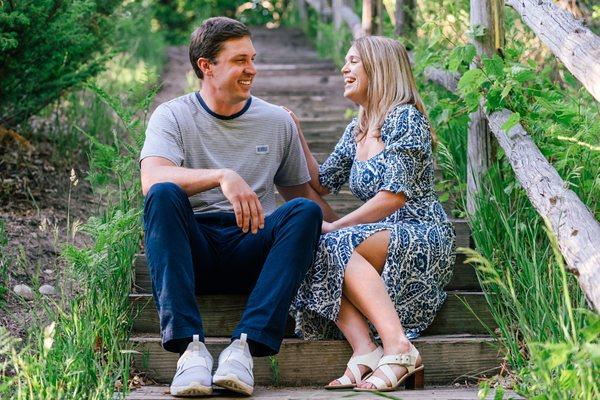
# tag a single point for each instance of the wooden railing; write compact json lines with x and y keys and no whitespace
{"x":576,"y":229}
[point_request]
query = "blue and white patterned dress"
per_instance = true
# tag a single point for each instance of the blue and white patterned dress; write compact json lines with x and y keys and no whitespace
{"x":421,"y":251}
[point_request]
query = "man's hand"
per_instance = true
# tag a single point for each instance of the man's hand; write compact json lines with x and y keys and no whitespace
{"x":246,"y":206}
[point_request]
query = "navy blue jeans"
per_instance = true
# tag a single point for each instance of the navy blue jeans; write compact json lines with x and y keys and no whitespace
{"x":191,"y":254}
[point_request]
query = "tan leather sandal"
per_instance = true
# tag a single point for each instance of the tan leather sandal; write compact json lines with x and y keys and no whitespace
{"x":413,"y":379}
{"x":370,"y":360}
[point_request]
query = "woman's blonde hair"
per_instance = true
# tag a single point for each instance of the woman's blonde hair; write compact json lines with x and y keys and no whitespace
{"x":390,"y":83}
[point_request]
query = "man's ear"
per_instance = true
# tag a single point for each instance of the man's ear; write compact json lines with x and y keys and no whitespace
{"x":205,"y":66}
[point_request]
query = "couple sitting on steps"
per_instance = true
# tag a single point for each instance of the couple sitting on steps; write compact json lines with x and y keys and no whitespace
{"x":209,"y":167}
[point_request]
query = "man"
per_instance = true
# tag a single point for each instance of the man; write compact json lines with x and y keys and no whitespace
{"x":209,"y":165}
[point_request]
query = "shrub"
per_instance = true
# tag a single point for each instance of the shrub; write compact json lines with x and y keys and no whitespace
{"x":46,"y":47}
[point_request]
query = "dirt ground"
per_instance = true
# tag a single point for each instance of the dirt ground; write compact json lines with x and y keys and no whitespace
{"x":35,"y":186}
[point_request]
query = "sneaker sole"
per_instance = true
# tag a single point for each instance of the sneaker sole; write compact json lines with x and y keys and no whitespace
{"x":233,"y":383}
{"x":191,"y":390}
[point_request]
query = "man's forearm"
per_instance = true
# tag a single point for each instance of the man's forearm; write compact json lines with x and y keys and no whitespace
{"x":192,"y":181}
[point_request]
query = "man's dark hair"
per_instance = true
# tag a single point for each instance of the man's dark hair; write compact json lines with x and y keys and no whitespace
{"x":207,"y":40}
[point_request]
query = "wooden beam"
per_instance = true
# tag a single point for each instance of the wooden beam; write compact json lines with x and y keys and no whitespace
{"x":367,"y":17}
{"x":576,"y":229}
{"x":574,"y":44}
{"x":480,"y":148}
{"x":353,"y":21}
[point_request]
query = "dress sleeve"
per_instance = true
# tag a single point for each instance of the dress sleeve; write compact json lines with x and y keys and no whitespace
{"x":335,"y":171}
{"x":407,"y":144}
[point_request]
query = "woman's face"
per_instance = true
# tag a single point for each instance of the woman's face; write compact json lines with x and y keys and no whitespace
{"x":355,"y":78}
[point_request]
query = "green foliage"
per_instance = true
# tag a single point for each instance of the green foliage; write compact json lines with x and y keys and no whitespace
{"x":46,"y":47}
{"x":82,"y":353}
{"x":549,"y":337}
{"x":4,"y":264}
{"x":178,"y":18}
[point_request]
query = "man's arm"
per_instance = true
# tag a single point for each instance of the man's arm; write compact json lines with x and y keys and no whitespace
{"x":192,"y":181}
{"x":248,"y":211}
{"x":305,"y":190}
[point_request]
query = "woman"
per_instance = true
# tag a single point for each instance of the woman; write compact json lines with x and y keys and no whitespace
{"x":387,"y":262}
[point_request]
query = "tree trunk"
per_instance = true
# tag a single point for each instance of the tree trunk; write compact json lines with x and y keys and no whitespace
{"x":574,"y":44}
{"x":404,"y":16}
{"x":480,"y":150}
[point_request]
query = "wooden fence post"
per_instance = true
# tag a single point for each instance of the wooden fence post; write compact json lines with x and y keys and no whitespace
{"x":302,"y":12}
{"x":404,"y":18}
{"x":480,"y":147}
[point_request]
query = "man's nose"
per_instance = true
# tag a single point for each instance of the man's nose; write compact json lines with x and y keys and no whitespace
{"x":251,"y":68}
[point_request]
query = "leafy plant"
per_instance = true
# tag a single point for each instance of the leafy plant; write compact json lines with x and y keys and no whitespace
{"x":47,"y":47}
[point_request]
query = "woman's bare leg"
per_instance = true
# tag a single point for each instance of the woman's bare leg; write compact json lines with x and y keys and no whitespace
{"x":356,"y":331}
{"x":364,"y":288}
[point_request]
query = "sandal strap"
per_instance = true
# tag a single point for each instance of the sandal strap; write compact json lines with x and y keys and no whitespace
{"x":389,"y":373}
{"x":369,"y":360}
{"x":407,"y":360}
{"x":377,"y":382}
{"x":344,"y":380}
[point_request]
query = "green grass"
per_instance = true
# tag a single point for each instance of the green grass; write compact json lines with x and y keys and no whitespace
{"x":83,"y":350}
{"x":4,"y":265}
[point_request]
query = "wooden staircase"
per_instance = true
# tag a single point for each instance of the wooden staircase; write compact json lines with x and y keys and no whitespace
{"x":455,"y":347}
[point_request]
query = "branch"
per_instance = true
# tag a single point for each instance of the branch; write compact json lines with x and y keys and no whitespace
{"x":574,"y":44}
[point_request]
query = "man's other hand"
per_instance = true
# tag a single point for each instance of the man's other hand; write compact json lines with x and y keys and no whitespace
{"x":249,"y":213}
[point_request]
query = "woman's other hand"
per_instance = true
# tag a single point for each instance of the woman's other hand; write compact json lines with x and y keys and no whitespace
{"x":294,"y":117}
{"x":327,"y":227}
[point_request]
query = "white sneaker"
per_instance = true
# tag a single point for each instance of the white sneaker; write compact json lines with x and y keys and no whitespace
{"x":193,"y":371}
{"x":235,"y":368}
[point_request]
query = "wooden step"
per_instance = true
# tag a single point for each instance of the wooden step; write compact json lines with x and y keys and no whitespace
{"x":463,"y":277}
{"x":470,"y":392}
{"x":221,"y":313}
{"x":300,"y":363}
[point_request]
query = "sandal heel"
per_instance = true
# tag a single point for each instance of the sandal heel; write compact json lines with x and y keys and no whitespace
{"x":416,"y":380}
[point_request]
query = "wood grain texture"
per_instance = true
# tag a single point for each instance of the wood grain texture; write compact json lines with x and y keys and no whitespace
{"x":221,"y":313}
{"x":156,"y":392}
{"x":463,"y":278}
{"x":575,"y":45}
{"x":446,"y":358}
{"x":577,"y":231}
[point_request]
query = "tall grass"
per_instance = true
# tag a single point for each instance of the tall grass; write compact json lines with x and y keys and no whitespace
{"x":550,"y":335}
{"x":82,"y":352}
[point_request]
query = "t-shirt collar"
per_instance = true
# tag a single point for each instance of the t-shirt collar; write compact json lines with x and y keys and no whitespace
{"x":219,"y":116}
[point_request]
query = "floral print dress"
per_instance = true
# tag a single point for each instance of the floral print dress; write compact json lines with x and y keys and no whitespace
{"x":420,"y":255}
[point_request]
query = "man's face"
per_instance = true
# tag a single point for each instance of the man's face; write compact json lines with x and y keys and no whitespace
{"x":233,"y":73}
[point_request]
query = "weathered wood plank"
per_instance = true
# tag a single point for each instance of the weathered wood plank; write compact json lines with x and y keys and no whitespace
{"x":480,"y":147}
{"x":577,"y":47}
{"x":463,"y":278}
{"x":446,"y":358}
{"x":577,"y":231}
{"x":156,"y":392}
{"x":221,"y":313}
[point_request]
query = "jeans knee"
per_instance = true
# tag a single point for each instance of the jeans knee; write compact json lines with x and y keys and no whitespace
{"x":164,"y":193}
{"x":164,"y":190}
{"x":308,"y":209}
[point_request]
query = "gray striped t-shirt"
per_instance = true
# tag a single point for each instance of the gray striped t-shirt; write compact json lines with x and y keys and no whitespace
{"x":260,"y":143}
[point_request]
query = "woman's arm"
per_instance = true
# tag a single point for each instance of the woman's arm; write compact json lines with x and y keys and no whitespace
{"x":313,"y":166}
{"x":377,"y":208}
